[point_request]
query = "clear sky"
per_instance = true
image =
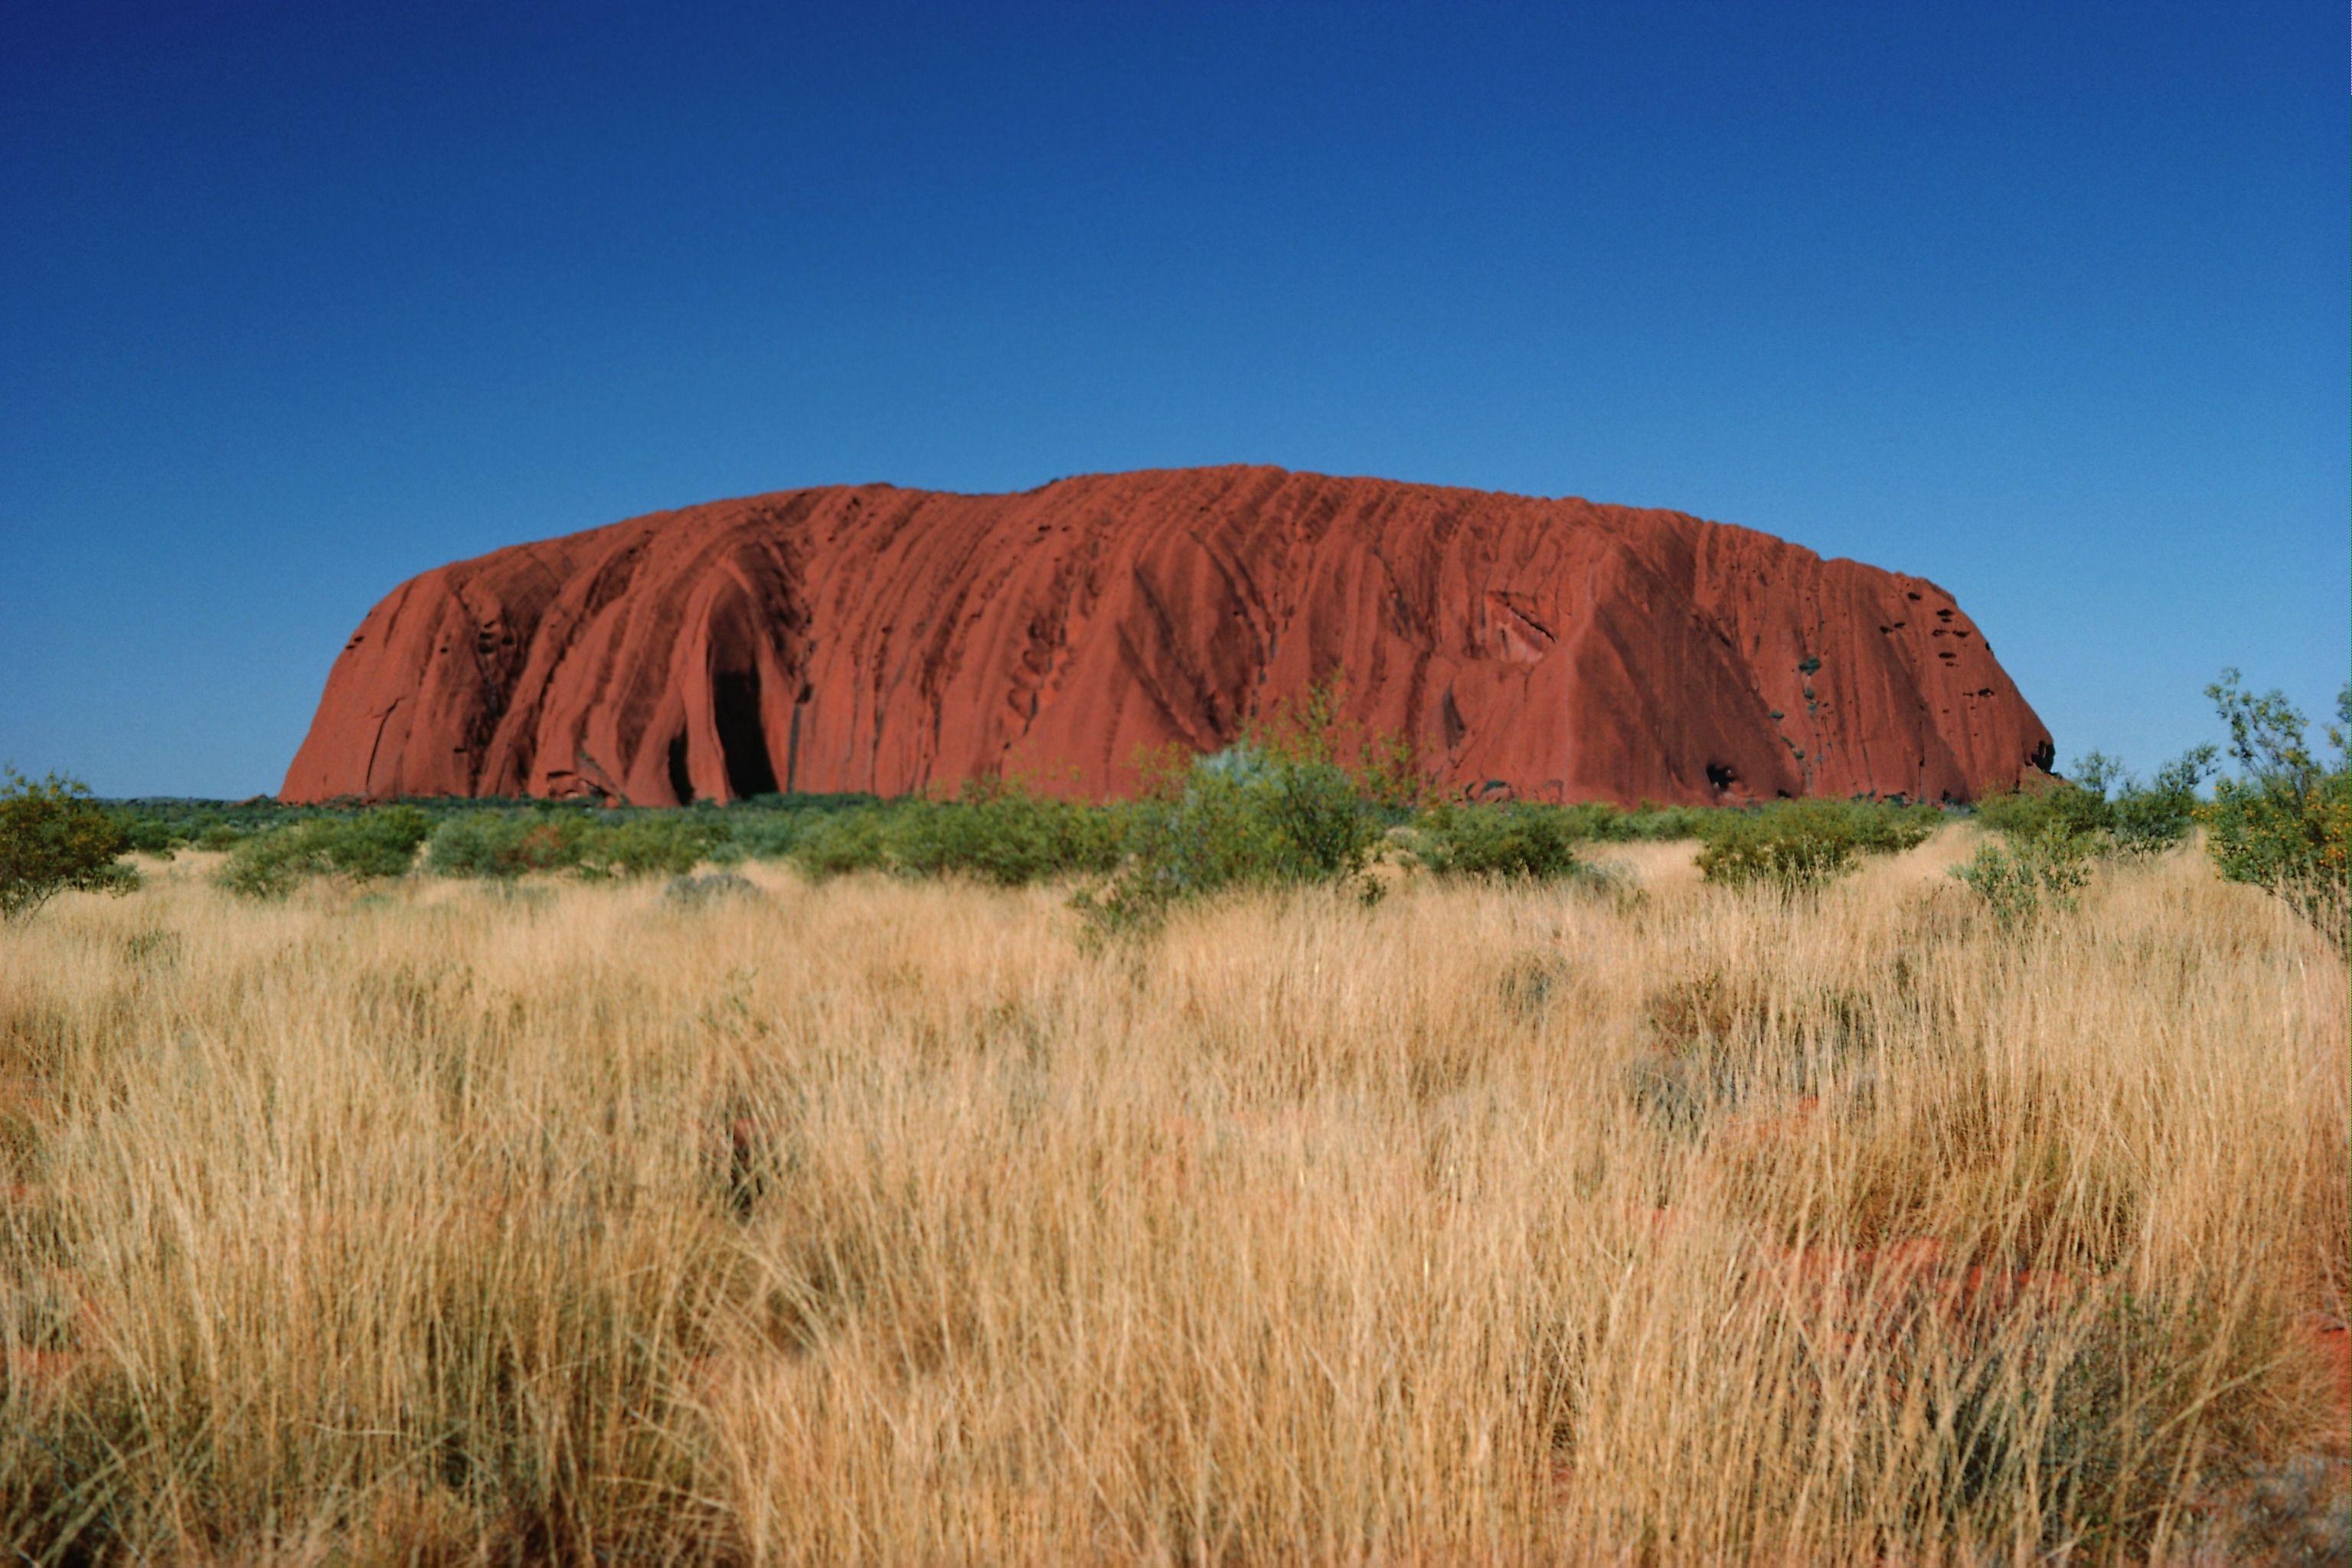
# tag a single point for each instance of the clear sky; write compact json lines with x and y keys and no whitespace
{"x":2048,"y":303}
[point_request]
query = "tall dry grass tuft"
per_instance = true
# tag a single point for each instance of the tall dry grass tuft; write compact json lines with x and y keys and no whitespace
{"x":894,"y":1223}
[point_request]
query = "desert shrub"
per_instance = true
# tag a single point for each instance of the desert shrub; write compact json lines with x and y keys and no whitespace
{"x":54,"y":839}
{"x":2023,"y":877}
{"x":364,"y":846}
{"x":663,"y":844}
{"x":1382,"y":769}
{"x":507,"y":844}
{"x":148,"y":835}
{"x":1654,"y":823}
{"x":760,"y":836}
{"x":2146,"y":819}
{"x":2048,"y":839}
{"x":1242,"y":818}
{"x":2105,"y":807}
{"x":1787,"y":854}
{"x":503,"y":844}
{"x":218,"y":838}
{"x":1801,"y":845}
{"x":1004,"y":836}
{"x":767,"y":827}
{"x":1519,"y":841}
{"x":841,"y":844}
{"x":2285,"y":822}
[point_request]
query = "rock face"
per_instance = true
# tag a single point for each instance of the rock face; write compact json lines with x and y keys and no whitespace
{"x":867,"y":637}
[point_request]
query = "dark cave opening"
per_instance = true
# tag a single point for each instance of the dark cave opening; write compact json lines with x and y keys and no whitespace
{"x":742,"y":740}
{"x":681,"y":782}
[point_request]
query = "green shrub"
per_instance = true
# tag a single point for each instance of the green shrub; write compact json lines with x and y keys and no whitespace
{"x":54,"y":839}
{"x":843,"y":843}
{"x":2023,"y":877}
{"x":2149,"y":819}
{"x":147,"y":835}
{"x":1803,"y":844}
{"x":2284,"y":822}
{"x":509,"y":843}
{"x":1789,"y":855}
{"x":1655,"y":824}
{"x":1384,"y":771}
{"x":1242,"y":818}
{"x":760,"y":835}
{"x":1517,"y":842}
{"x":1005,"y":837}
{"x":2104,"y":806}
{"x":364,"y":846}
{"x":667,"y":844}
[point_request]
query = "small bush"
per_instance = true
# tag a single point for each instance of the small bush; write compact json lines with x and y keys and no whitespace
{"x":1515,"y":842}
{"x":54,"y":839}
{"x":503,"y":844}
{"x":652,"y":846}
{"x":760,"y":836}
{"x":2149,"y":819}
{"x":368,"y":845}
{"x":2105,"y":807}
{"x":1657,"y":824}
{"x":2021,"y":878}
{"x":1005,"y":837}
{"x":839,"y":845}
{"x":1790,"y":855}
{"x":1243,"y":819}
{"x":1803,"y":844}
{"x":2284,"y":822}
{"x":146,"y":836}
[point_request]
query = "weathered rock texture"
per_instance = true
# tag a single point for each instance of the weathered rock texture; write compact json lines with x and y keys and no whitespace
{"x":868,"y":637}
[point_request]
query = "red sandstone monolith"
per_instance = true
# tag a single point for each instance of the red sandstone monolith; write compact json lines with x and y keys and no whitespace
{"x":867,"y":637}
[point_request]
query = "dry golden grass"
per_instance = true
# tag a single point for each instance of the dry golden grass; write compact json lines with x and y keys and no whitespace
{"x":890,"y":1223}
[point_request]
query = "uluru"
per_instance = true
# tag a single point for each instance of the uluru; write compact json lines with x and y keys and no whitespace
{"x":867,"y":637}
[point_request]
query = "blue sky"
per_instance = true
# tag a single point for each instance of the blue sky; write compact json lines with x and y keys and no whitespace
{"x":2047,"y":303}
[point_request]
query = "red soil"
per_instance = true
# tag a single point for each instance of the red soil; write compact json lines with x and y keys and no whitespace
{"x":874,"y":638}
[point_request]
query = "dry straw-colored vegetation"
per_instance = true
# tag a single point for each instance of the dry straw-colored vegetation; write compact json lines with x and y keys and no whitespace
{"x":1636,"y":1220}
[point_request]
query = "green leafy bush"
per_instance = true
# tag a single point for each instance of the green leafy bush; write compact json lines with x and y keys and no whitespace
{"x":994,"y":832}
{"x":839,"y":845}
{"x":1005,"y":837}
{"x":146,"y":836}
{"x":2023,"y":877}
{"x":2106,"y":808}
{"x":506,"y":844}
{"x":1515,"y":842}
{"x":669,"y":844}
{"x":364,"y":846}
{"x":2149,"y":819}
{"x":54,"y":839}
{"x":2284,"y":822}
{"x":509,"y":843}
{"x":1803,"y":844}
{"x":1242,"y":818}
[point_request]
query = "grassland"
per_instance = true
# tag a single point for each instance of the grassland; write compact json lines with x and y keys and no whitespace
{"x":1628,"y":1220}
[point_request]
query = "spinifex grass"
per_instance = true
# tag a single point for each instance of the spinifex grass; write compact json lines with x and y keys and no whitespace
{"x":892,"y":1222}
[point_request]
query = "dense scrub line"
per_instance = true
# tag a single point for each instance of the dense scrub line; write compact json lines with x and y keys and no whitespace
{"x":1287,"y":806}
